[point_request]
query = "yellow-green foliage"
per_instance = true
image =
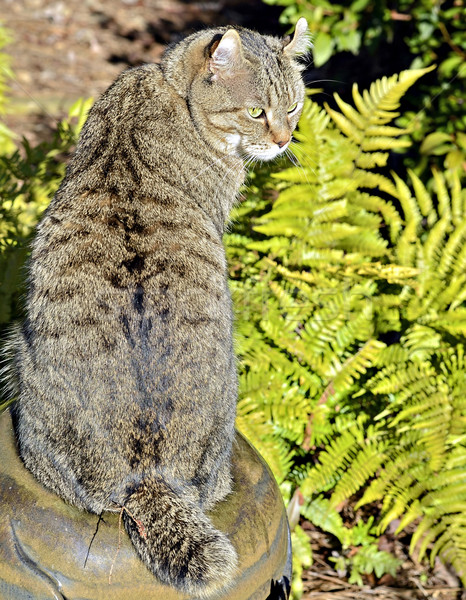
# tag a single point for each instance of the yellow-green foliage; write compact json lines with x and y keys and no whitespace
{"x":349,"y":285}
{"x":6,"y":73}
{"x":29,"y":176}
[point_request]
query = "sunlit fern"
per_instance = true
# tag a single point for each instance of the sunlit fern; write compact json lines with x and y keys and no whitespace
{"x":349,"y":285}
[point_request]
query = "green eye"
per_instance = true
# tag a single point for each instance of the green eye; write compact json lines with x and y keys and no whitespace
{"x":293,"y":107}
{"x":255,"y":112}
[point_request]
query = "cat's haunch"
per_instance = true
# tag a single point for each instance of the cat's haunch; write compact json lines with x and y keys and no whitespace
{"x":127,"y":382}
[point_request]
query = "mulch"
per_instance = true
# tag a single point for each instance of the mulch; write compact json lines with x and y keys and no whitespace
{"x":413,"y":581}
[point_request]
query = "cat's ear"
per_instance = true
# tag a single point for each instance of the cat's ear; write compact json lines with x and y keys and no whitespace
{"x":226,"y":58}
{"x":301,"y":41}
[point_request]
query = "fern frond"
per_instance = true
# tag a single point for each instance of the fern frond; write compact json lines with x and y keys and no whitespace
{"x":459,"y":267}
{"x":271,"y":447}
{"x":369,"y":160}
{"x":433,"y":245}
{"x":377,"y":106}
{"x":274,"y":245}
{"x":343,"y":258}
{"x":392,"y":379}
{"x":458,"y":199}
{"x":423,"y":198}
{"x":408,"y":203}
{"x":386,"y":92}
{"x":338,"y":454}
{"x":354,"y":117}
{"x":383,"y":143}
{"x":346,"y":126}
{"x":391,"y":273}
{"x":368,"y":179}
{"x":394,"y":354}
{"x":444,"y":208}
{"x":455,"y":243}
{"x":363,"y":466}
{"x":357,"y":364}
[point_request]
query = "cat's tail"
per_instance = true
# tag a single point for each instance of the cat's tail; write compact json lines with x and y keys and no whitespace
{"x":177,"y":541}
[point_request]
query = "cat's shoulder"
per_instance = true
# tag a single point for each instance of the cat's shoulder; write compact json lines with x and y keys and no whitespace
{"x":137,"y":88}
{"x":136,"y":79}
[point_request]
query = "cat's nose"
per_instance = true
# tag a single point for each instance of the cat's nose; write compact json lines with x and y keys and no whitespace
{"x":282,"y":141}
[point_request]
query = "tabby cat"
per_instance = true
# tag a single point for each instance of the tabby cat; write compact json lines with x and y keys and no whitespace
{"x":127,"y":380}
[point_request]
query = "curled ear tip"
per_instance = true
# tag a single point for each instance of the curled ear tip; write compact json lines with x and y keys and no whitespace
{"x":301,"y":39}
{"x":301,"y":25}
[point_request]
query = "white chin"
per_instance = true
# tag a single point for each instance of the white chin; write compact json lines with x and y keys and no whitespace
{"x":269,"y":153}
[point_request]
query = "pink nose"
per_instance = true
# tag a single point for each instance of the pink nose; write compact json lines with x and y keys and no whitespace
{"x":282,"y":142}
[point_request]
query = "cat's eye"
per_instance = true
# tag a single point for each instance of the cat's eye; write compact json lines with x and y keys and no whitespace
{"x":256,"y":112}
{"x":293,"y":107}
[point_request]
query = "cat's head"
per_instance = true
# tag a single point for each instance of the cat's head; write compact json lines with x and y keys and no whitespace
{"x":244,"y":90}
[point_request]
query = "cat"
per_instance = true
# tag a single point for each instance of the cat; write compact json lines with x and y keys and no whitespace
{"x":127,"y":382}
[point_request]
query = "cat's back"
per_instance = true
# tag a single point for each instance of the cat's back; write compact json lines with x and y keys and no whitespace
{"x":128,"y":265}
{"x":133,"y":135}
{"x":128,"y":333}
{"x":142,"y":183}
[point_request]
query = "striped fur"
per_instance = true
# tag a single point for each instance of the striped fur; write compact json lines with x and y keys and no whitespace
{"x":127,"y":377}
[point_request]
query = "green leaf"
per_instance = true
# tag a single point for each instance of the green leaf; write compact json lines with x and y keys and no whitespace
{"x":433,"y":141}
{"x":322,"y":48}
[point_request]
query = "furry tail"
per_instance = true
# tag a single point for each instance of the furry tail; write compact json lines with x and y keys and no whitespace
{"x":177,"y":541}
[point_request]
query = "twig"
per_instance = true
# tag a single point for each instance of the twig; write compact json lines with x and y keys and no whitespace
{"x":449,"y":41}
{"x":419,"y":585}
{"x":92,"y":540}
{"x":139,"y":524}
{"x":118,"y":547}
{"x":141,"y":531}
{"x":379,"y":591}
{"x":335,"y":580}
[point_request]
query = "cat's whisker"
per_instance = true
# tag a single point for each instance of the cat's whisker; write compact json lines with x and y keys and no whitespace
{"x":310,"y":162}
{"x":305,"y":157}
{"x":294,"y":159}
{"x":327,"y":80}
{"x":297,"y":144}
{"x":324,"y":93}
{"x":250,"y":163}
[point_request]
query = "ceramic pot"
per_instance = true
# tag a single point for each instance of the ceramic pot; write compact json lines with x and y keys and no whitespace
{"x":51,"y":550}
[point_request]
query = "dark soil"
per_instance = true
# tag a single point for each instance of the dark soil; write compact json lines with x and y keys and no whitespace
{"x":65,"y":50}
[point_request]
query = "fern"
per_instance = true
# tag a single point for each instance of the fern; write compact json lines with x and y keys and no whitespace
{"x":6,"y":135}
{"x":359,"y":553}
{"x":352,"y":349}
